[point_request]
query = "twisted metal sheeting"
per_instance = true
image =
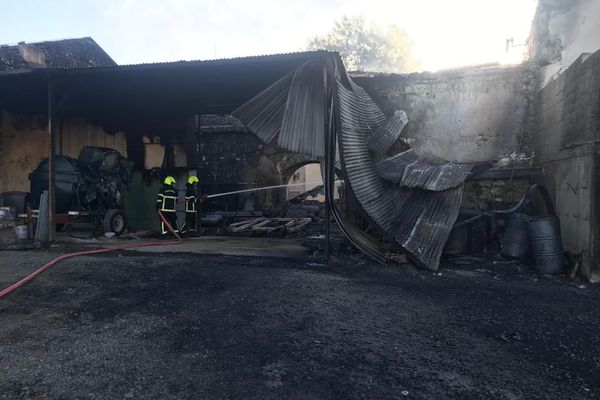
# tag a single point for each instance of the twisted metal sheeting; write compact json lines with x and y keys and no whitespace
{"x":303,"y":125}
{"x":419,"y":220}
{"x":418,"y":201}
{"x":418,"y":169}
{"x":387,"y":133}
{"x":293,"y":107}
{"x":263,"y":114}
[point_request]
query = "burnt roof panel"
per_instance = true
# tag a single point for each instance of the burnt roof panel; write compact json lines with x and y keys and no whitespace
{"x":67,"y":53}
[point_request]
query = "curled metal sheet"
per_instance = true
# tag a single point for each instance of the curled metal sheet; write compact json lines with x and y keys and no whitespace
{"x":416,"y":204}
{"x":263,"y":114}
{"x":420,"y":220}
{"x":388,"y":133}
{"x":293,"y":107}
{"x":419,"y":169}
{"x":303,"y":125}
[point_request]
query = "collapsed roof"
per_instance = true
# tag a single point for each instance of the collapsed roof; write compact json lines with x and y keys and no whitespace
{"x":412,"y":197}
{"x":313,"y":108}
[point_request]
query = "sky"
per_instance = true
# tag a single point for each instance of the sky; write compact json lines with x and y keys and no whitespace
{"x":446,"y":33}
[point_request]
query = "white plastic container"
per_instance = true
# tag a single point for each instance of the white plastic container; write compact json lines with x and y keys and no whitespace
{"x":22,"y":232}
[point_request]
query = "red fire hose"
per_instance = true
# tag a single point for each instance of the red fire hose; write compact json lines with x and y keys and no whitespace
{"x":56,"y":260}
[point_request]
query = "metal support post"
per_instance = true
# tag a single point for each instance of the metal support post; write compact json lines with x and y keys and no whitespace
{"x":51,"y":164}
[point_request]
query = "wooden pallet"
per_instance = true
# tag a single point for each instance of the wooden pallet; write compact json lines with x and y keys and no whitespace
{"x":262,"y":226}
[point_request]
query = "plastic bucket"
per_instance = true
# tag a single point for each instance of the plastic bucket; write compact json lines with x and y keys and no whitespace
{"x":22,"y":232}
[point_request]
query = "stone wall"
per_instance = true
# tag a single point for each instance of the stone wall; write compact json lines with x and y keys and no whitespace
{"x":466,"y":115}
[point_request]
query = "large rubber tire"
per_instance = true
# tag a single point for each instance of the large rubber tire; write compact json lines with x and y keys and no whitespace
{"x":114,"y":221}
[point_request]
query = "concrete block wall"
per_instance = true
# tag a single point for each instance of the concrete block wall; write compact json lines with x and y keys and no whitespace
{"x":567,"y":147}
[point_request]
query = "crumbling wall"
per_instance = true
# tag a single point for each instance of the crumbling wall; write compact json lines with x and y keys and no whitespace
{"x":24,"y":143}
{"x":564,"y":42}
{"x":562,"y":31}
{"x":467,"y":115}
{"x":567,"y":138}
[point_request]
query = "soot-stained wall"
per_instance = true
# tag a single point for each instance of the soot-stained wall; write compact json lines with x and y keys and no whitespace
{"x":565,"y":43}
{"x":235,"y":159}
{"x":566,"y":139}
{"x":466,"y":115}
{"x":24,"y":143}
{"x":562,"y":31}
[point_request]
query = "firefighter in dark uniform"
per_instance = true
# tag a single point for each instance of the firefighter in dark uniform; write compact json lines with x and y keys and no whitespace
{"x":192,"y":198}
{"x":165,"y":202}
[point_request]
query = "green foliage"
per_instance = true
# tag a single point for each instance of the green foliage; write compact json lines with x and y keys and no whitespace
{"x":368,"y":47}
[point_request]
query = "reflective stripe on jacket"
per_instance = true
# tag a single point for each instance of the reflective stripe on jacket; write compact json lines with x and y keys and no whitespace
{"x":166,"y":198}
{"x":190,"y":198}
{"x":190,"y":204}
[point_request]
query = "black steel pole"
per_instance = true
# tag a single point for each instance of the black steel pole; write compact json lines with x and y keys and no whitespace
{"x":51,"y":165}
{"x":326,"y":178}
{"x":199,"y":184}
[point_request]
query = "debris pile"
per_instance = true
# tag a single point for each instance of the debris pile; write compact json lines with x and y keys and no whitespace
{"x":527,"y":232}
{"x":268,"y":226}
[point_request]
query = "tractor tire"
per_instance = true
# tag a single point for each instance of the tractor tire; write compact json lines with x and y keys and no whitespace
{"x":114,"y":221}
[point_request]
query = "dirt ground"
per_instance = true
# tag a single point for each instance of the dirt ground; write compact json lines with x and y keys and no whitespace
{"x":183,"y":326}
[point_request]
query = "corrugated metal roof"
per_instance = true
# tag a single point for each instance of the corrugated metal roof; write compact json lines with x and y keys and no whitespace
{"x":173,"y":65}
{"x":263,"y":114}
{"x":293,"y":107}
{"x":215,"y":61}
{"x":414,"y":168}
{"x":419,"y":220}
{"x":303,"y":125}
{"x":117,"y":95}
{"x":382,"y":139}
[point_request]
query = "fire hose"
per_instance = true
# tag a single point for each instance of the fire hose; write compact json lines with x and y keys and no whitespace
{"x":56,"y":260}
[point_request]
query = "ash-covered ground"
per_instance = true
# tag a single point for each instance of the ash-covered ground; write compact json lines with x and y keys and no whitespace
{"x":184,"y":326}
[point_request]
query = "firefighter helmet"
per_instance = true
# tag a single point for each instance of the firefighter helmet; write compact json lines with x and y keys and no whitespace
{"x":169,"y":180}
{"x":192,"y":180}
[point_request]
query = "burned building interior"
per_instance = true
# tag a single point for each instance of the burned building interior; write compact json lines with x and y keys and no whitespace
{"x":475,"y":171}
{"x":233,"y":123}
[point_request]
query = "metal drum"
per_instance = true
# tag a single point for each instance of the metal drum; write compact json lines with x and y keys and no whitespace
{"x":544,"y":236}
{"x":515,"y":243}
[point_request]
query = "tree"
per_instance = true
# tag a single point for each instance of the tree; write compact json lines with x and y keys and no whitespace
{"x":368,"y":47}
